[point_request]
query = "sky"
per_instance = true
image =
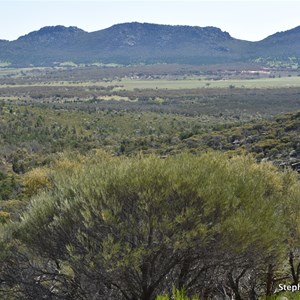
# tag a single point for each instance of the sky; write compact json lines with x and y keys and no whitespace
{"x":243,"y":19}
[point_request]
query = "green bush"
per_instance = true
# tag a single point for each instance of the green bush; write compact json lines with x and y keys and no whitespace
{"x":138,"y":225}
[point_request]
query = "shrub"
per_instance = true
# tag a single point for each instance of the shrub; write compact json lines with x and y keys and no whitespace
{"x":4,"y":217}
{"x":134,"y":226}
{"x":36,"y":180}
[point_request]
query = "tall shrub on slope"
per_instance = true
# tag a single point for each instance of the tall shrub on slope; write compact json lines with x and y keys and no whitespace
{"x":132,"y":228}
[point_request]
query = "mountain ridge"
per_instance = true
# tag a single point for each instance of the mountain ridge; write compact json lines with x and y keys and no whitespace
{"x":134,"y":43}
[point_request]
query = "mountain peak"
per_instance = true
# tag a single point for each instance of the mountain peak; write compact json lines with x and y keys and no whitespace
{"x":158,"y":36}
{"x":52,"y":31}
{"x":283,"y":34}
{"x":168,"y":28}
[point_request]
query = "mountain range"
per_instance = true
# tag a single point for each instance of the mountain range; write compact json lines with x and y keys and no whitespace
{"x":144,"y":43}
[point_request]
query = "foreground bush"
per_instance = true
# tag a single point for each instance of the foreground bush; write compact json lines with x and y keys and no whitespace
{"x":132,"y":228}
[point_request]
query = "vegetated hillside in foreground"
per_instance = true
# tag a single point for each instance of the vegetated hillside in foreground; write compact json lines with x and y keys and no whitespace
{"x":120,"y":228}
{"x":79,"y":197}
{"x":127,"y":197}
{"x":135,"y":43}
{"x":276,"y":140}
{"x":33,"y":137}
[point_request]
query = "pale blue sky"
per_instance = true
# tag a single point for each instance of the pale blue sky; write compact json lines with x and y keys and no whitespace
{"x":249,"y":20}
